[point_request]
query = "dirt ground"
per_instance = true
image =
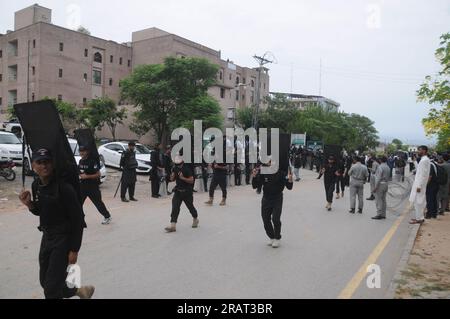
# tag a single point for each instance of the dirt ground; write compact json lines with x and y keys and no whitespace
{"x":427,"y":274}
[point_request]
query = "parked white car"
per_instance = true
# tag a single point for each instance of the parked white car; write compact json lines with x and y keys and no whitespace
{"x":112,"y":153}
{"x":74,"y":146}
{"x":10,"y":147}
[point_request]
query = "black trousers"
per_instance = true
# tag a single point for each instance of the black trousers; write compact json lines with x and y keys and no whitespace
{"x":155,"y":181}
{"x":247,"y":173}
{"x":271,"y":215}
{"x":340,"y":184}
{"x":130,"y":186}
{"x":431,"y":195}
{"x":329,"y":190}
{"x":178,"y":197}
{"x":93,"y":192}
{"x":237,"y":176}
{"x":53,"y":262}
{"x":222,"y":182}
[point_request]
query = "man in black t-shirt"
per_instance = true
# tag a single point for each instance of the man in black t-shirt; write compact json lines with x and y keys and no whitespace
{"x":219,"y":178}
{"x":89,"y":169}
{"x":183,"y":192}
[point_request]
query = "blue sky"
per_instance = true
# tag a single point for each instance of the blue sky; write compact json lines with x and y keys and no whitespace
{"x":374,"y":53}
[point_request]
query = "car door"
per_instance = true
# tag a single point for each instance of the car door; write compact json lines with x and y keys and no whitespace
{"x":117,"y":151}
{"x":109,"y":154}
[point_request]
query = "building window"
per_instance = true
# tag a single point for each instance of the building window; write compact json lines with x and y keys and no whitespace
{"x":85,"y":77}
{"x":86,"y":53}
{"x":84,"y":101}
{"x":97,"y":77}
{"x":110,"y":81}
{"x":231,"y":114}
{"x":120,"y":61}
{"x":252,"y":83}
{"x":1,"y":53}
{"x":34,"y":44}
{"x":220,"y":75}
{"x":32,"y":97}
{"x":1,"y":77}
{"x":222,"y":93}
{"x":60,"y":73}
{"x":237,"y":80}
{"x":231,"y":76}
{"x":237,"y":95}
{"x":111,"y":59}
{"x":33,"y":70}
{"x":129,"y":63}
{"x":252,"y":97}
{"x":61,"y":46}
{"x":243,"y":80}
{"x":243,"y":97}
{"x":97,"y":57}
{"x":1,"y":100}
{"x":59,"y":97}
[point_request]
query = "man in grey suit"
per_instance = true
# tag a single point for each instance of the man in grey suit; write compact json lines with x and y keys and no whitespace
{"x":381,"y":178}
{"x":358,"y":176}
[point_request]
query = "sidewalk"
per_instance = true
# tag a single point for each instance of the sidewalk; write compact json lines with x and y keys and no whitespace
{"x":427,"y":274}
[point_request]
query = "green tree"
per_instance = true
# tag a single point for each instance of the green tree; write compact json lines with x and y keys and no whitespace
{"x":82,"y":29}
{"x":244,"y":116}
{"x":436,"y":92}
{"x":161,"y":91}
{"x":103,"y":111}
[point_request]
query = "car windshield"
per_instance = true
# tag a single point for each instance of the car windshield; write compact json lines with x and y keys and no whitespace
{"x":9,"y":139}
{"x":74,"y":147}
{"x":141,"y":149}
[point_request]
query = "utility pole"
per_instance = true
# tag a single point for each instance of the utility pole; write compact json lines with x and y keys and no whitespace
{"x":261,"y":61}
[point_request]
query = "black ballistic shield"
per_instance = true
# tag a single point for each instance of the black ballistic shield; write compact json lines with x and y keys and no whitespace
{"x":86,"y":138}
{"x":284,"y":146}
{"x":42,"y":128}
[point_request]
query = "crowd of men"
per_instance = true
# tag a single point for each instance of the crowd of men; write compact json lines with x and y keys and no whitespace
{"x":62,"y":218}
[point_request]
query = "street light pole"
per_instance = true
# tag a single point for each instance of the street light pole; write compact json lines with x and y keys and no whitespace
{"x":261,"y":61}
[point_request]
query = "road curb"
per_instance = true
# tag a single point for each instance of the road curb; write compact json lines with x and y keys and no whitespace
{"x":414,"y":230}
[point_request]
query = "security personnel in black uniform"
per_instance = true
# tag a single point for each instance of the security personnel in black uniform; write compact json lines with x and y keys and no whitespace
{"x":128,"y":163}
{"x":157,"y":163}
{"x":183,"y":192}
{"x":272,"y":200}
{"x":330,"y":173}
{"x":219,"y":178}
{"x":89,"y":169}
{"x":61,"y":220}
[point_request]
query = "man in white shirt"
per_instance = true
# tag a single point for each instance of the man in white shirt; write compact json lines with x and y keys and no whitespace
{"x":418,"y":191}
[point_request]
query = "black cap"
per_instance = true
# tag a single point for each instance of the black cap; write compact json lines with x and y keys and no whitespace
{"x":41,"y":154}
{"x":82,"y":148}
{"x":131,"y":143}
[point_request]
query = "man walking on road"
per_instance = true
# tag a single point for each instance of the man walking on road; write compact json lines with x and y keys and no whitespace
{"x":358,"y":176}
{"x":219,"y":178}
{"x":418,"y":191}
{"x":182,"y":192}
{"x":272,"y":201}
{"x":380,"y":186}
{"x":330,"y":174}
{"x":89,"y":183}
{"x":61,"y":220}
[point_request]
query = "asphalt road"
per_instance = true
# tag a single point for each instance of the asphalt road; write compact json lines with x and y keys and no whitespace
{"x":226,"y":257}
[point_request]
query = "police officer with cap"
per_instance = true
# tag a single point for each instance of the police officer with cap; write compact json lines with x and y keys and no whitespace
{"x":128,"y":163}
{"x":89,"y":169}
{"x":61,"y":221}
